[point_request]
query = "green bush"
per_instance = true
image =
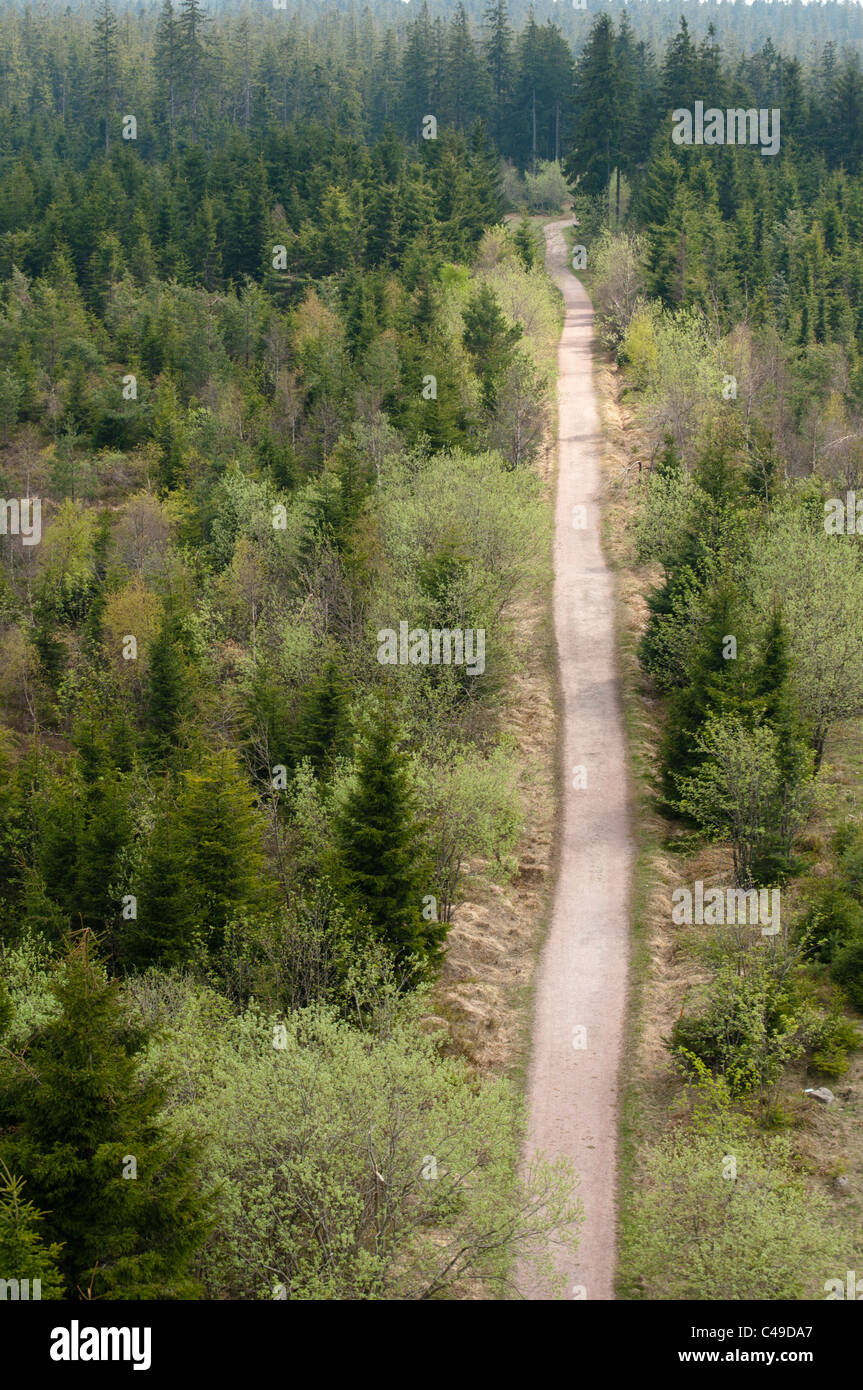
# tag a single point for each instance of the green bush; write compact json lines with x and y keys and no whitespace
{"x":847,"y":970}
{"x":830,"y":1043}
{"x":832,"y":919}
{"x":722,"y":1214}
{"x":753,"y":1025}
{"x":351,"y":1164}
{"x":851,"y":859}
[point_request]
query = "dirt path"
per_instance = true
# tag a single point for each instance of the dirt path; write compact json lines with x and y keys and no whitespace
{"x":581,"y":984}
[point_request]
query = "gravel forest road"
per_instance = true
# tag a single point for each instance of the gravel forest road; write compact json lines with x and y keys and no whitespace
{"x":573,"y":1080}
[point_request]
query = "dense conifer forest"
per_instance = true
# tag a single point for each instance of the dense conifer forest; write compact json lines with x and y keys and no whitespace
{"x":277,"y":359}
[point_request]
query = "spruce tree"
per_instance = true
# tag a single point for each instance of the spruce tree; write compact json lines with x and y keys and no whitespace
{"x":596,"y":150}
{"x":82,"y":1123}
{"x":379,"y":838}
{"x":167,"y":694}
{"x":713,"y":687}
{"x":525,"y":243}
{"x":490,"y":340}
{"x":23,"y":1252}
{"x":166,"y":62}
{"x":773,"y":688}
{"x":220,"y":830}
{"x":499,"y":63}
{"x":166,"y":929}
{"x":322,"y":726}
{"x":106,"y":64}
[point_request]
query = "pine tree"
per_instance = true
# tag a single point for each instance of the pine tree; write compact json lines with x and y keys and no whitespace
{"x":598,"y":125}
{"x":489,"y":339}
{"x":322,"y":726}
{"x":23,"y":1252}
{"x":79,"y":1119}
{"x":499,"y":63}
{"x":555,"y":88}
{"x":192,"y":56}
{"x":416,"y":73}
{"x":529,"y":92}
{"x":166,"y":61}
{"x":105,"y":831}
{"x":680,"y":71}
{"x":465,"y":81}
{"x":773,"y":686}
{"x":221,"y":831}
{"x":105,"y":57}
{"x":525,"y":243}
{"x":167,"y":929}
{"x":378,"y":835}
{"x":626,"y":83}
{"x":167,"y":694}
{"x":714,"y":686}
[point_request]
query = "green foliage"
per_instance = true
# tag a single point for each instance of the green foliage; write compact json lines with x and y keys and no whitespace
{"x":737,"y":1215}
{"x":396,"y":1167}
{"x":831,"y":1041}
{"x":847,"y":969}
{"x":490,"y":340}
{"x":167,"y":694}
{"x":74,"y":1109}
{"x":756,"y":1021}
{"x":322,"y":732}
{"x":380,"y":846}
{"x":23,"y":1252}
{"x":832,"y":919}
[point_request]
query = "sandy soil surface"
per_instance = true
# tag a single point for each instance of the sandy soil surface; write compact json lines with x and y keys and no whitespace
{"x":581,"y":985}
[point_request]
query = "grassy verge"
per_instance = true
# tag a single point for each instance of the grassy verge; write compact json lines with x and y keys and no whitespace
{"x":668,"y":967}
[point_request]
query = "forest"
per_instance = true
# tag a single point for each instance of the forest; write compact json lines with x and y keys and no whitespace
{"x":277,"y":357}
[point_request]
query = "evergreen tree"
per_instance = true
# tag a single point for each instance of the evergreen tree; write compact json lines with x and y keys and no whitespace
{"x":490,"y":340}
{"x":465,"y":80}
{"x":555,"y":88}
{"x":166,"y":62}
{"x":192,"y":56}
{"x":598,"y":117}
{"x":525,"y":243}
{"x":221,"y":831}
{"x":713,"y":687}
{"x":528,"y":92}
{"x":680,"y":72}
{"x":322,"y":726}
{"x":167,"y":693}
{"x":23,"y":1252}
{"x":497,"y":49}
{"x":416,"y":73}
{"x":74,"y":1117}
{"x":379,"y":841}
{"x":106,"y":63}
{"x":168,"y":928}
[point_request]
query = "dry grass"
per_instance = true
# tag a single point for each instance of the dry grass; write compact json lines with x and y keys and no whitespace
{"x":485,"y":989}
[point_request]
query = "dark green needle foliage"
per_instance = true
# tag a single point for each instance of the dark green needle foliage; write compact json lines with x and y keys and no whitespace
{"x":76,"y":1113}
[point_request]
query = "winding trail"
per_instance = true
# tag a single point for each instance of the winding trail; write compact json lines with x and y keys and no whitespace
{"x":573,"y":1081}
